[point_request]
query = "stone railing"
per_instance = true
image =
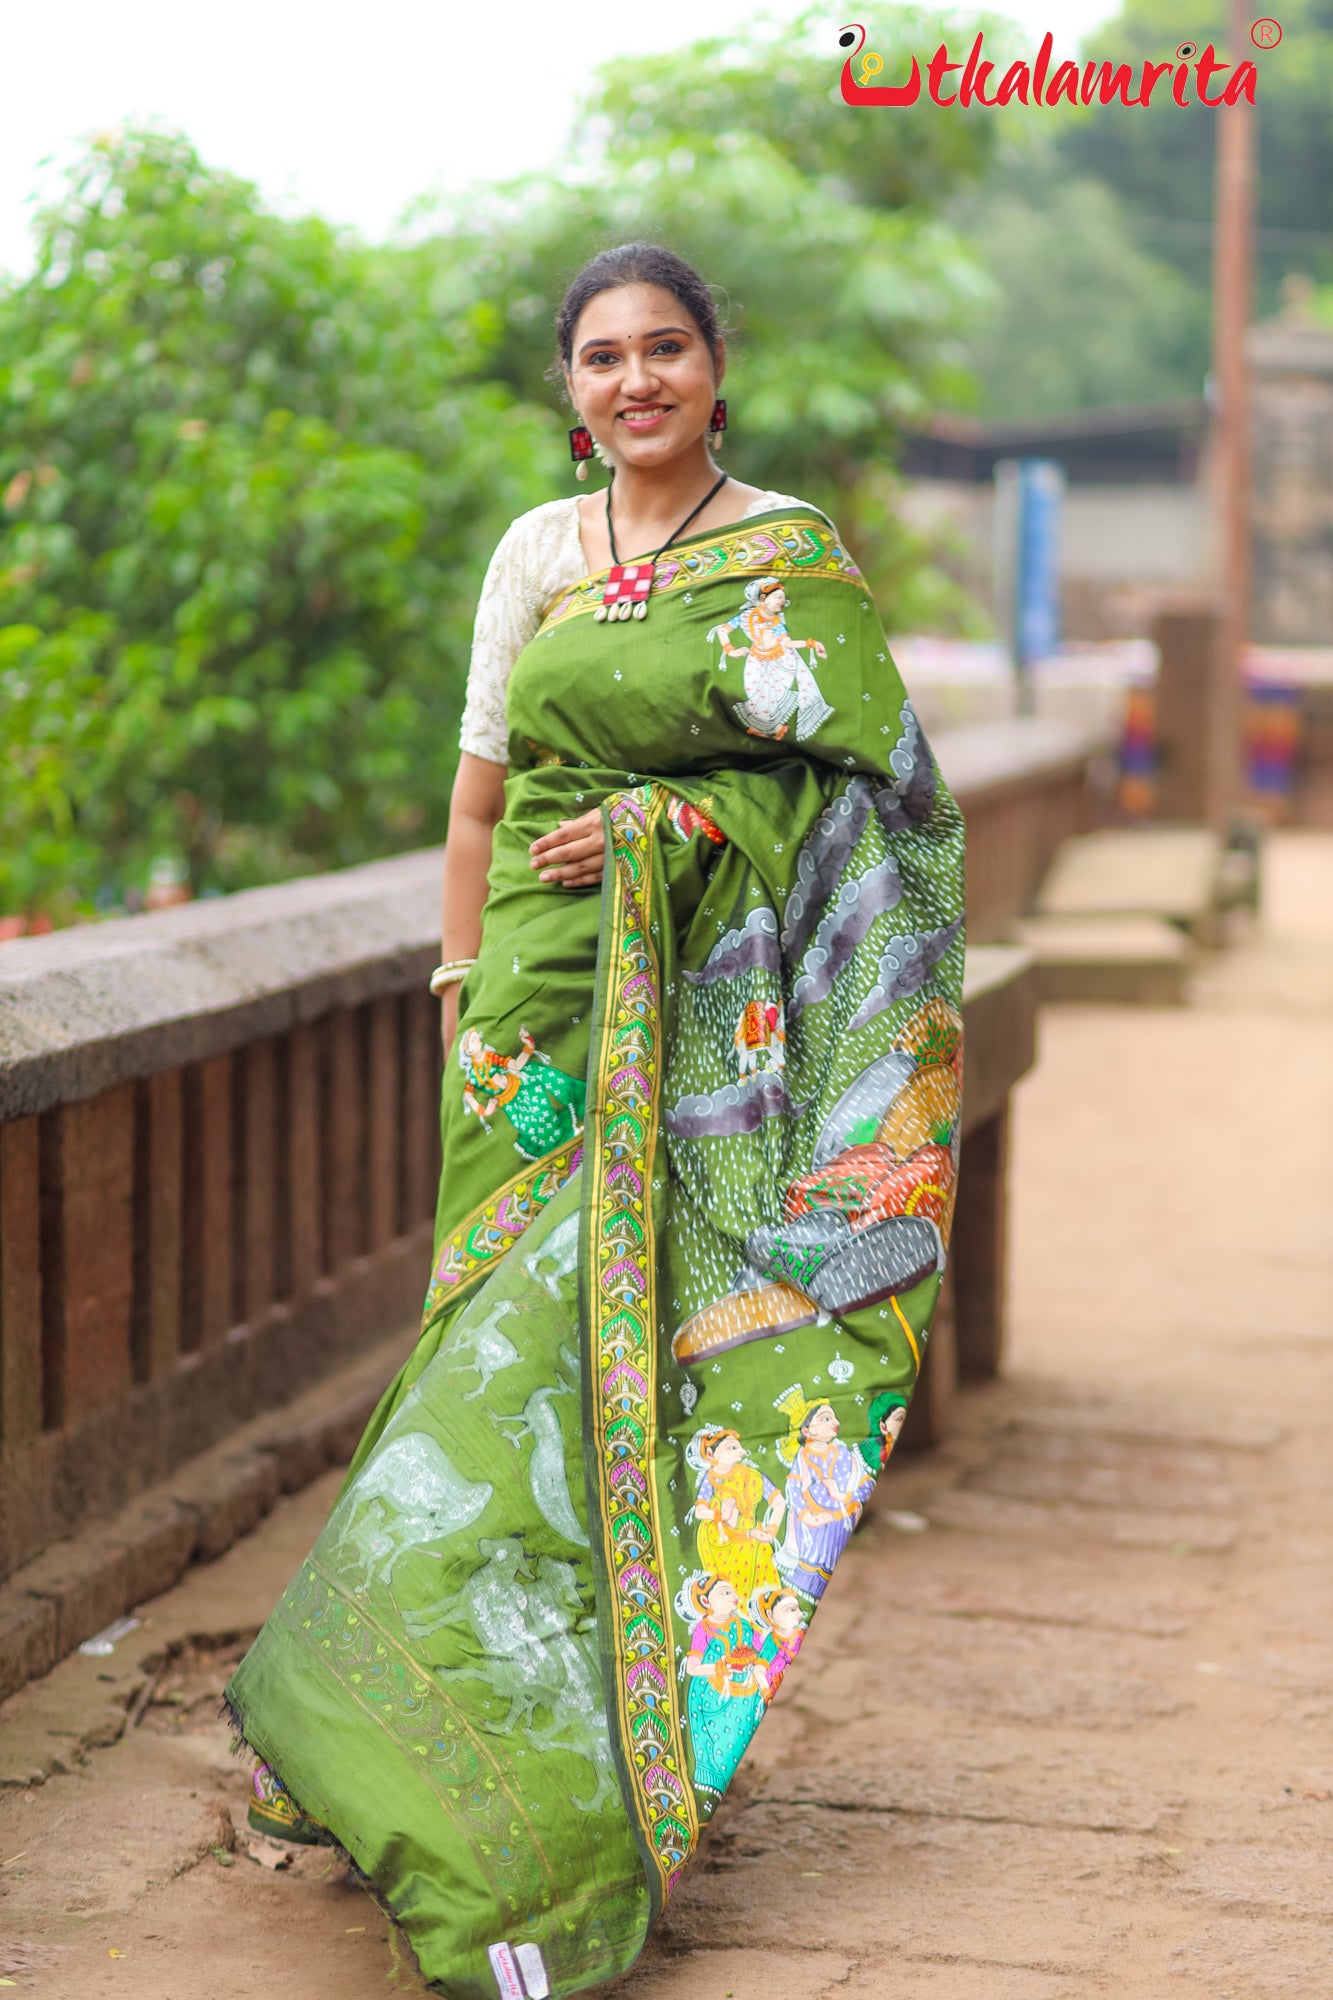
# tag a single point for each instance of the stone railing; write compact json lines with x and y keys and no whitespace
{"x":219,"y":1146}
{"x":219,"y":1151}
{"x":1025,"y":787}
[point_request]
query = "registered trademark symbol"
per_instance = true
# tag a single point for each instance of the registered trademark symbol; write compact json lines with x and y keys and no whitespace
{"x":1266,"y":33}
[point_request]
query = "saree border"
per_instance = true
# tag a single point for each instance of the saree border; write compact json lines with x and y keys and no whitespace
{"x":496,"y":1224}
{"x":763,"y":546}
{"x":618,"y":1283}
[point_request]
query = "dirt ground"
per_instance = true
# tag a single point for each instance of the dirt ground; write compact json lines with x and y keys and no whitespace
{"x":1070,"y":1737}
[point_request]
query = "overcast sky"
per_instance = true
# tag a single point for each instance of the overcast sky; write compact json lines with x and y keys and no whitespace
{"x":349,"y":110}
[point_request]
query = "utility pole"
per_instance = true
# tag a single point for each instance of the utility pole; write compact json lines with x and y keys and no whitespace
{"x":1233,"y":260}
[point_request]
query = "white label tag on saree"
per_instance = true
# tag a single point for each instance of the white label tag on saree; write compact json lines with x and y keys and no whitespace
{"x":533,"y":1968}
{"x":507,"y":1975}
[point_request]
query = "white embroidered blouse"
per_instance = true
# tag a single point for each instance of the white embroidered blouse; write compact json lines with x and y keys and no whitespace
{"x":539,"y":556}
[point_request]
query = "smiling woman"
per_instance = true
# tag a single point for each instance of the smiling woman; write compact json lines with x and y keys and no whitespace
{"x":702,"y":971}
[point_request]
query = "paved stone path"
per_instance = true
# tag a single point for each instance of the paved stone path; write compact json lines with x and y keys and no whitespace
{"x":1070,"y":1738}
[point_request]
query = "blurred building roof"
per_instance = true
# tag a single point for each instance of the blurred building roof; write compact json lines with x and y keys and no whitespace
{"x":1126,"y":444}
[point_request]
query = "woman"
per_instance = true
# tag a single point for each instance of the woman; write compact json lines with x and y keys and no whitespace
{"x":826,"y":1489}
{"x":778,"y":1613}
{"x":733,"y":1541}
{"x":475,"y":1681}
{"x":887,"y":1413}
{"x":727,"y":1669}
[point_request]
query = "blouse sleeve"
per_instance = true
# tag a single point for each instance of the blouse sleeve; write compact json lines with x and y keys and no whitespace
{"x":508,"y":615}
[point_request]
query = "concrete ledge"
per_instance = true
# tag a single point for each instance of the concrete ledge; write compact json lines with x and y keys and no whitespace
{"x":999,"y":1017}
{"x":983,"y":760}
{"x":81,"y":1585}
{"x":27,"y":1639}
{"x":102,"y":1004}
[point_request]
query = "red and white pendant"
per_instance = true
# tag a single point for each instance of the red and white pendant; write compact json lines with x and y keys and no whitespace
{"x":626,"y":592}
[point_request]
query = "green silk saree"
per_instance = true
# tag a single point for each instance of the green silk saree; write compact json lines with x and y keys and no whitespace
{"x":700,"y":1153}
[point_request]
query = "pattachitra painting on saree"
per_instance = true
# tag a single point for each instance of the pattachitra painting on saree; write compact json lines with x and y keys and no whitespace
{"x":701,"y":1148}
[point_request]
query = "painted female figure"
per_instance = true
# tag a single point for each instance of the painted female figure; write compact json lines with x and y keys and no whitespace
{"x":778,"y":683}
{"x":733,"y":1541}
{"x":544,"y":1106}
{"x":727,"y":1668}
{"x":826,"y":1489}
{"x":778,"y":1612}
{"x":887,"y":1415}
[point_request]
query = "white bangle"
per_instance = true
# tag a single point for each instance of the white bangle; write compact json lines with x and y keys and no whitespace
{"x":450,"y":973}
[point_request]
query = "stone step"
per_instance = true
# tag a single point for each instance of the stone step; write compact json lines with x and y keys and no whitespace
{"x":1142,"y":960}
{"x":1171,"y":872}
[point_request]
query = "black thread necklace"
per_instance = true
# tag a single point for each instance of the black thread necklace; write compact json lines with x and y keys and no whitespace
{"x":628,"y":584}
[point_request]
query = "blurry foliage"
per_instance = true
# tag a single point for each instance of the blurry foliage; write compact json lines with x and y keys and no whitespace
{"x":780,"y":83}
{"x":249,"y":479}
{"x":1165,"y":176}
{"x":1095,"y":226}
{"x":1081,"y":314}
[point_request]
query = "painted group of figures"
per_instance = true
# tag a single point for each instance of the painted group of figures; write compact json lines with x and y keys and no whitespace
{"x":744,"y":1605}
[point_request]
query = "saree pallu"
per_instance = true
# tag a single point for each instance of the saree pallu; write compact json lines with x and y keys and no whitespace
{"x":701,"y":1139}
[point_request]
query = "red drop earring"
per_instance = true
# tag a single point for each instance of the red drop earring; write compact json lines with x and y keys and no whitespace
{"x":718,"y":421}
{"x":580,"y":449}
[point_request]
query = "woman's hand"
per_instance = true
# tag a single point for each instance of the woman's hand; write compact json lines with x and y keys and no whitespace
{"x":573,"y":854}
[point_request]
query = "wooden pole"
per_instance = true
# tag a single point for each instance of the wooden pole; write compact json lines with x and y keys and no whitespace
{"x":1233,"y":255}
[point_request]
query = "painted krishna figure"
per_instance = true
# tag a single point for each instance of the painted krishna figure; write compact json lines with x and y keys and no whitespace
{"x":701,"y":994}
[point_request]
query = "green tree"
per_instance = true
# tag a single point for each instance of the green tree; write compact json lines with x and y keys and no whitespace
{"x":1081,"y":314}
{"x":250,"y":473}
{"x":1095,"y":225}
{"x":1159,"y":158}
{"x":779,"y":82}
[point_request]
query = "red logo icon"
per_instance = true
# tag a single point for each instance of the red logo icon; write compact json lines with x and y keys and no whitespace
{"x":1266,"y":33}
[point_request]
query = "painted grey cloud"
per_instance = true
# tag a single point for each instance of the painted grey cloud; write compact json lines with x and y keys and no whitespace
{"x":823,"y":859}
{"x":909,"y":799}
{"x":737,"y":1107}
{"x":754,"y":944}
{"x":905,"y":965}
{"x":842,"y":929}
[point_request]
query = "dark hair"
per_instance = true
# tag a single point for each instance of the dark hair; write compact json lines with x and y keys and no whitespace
{"x":636,"y":264}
